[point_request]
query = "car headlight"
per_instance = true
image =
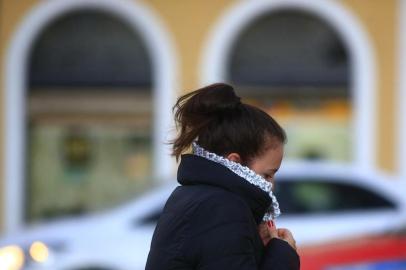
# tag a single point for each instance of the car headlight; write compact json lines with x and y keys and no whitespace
{"x":15,"y":257}
{"x":11,"y":258}
{"x":39,"y":252}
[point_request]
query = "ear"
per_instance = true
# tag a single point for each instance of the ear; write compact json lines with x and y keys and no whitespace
{"x":234,"y":157}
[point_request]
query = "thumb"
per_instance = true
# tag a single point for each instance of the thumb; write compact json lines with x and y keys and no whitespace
{"x":273,"y":232}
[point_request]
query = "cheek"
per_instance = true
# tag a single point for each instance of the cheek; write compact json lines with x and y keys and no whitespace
{"x":257,"y":167}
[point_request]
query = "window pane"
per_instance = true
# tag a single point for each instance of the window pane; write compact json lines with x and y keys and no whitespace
{"x":295,"y":66}
{"x":290,"y":48}
{"x":88,"y":48}
{"x":89,"y":118}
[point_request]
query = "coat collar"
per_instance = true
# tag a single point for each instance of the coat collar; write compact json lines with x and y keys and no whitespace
{"x":195,"y":170}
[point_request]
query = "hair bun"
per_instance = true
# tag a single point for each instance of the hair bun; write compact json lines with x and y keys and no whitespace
{"x":196,"y":110}
{"x":215,"y":98}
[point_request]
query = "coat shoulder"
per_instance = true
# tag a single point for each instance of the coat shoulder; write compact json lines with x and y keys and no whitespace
{"x":211,"y":198}
{"x":218,"y":206}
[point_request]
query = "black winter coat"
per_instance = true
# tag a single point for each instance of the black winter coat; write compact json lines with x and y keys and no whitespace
{"x":211,"y":221}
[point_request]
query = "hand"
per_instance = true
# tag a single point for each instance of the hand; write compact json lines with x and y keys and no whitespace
{"x":264,"y":233}
{"x":269,"y":231}
{"x":286,"y":235}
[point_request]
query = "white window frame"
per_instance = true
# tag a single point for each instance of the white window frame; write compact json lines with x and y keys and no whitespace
{"x":401,"y":88}
{"x":165,"y":67}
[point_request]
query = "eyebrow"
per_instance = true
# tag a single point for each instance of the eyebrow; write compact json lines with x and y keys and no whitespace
{"x":273,"y":170}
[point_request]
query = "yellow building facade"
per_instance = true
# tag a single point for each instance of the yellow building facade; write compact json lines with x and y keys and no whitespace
{"x":189,"y":39}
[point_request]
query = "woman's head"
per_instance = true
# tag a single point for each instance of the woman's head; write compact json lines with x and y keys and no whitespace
{"x":222,"y":124}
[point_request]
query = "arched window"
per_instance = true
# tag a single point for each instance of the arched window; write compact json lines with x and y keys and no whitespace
{"x":352,"y":108}
{"x":89,"y":116}
{"x":296,"y":67}
{"x":20,"y":98}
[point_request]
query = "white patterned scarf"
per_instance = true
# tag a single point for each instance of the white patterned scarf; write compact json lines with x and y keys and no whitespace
{"x":245,"y":173}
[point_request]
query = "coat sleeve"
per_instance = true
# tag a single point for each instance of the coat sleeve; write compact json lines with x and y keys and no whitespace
{"x":224,"y":240}
{"x":280,"y":255}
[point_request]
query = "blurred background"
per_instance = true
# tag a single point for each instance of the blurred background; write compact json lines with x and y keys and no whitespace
{"x":86,"y":93}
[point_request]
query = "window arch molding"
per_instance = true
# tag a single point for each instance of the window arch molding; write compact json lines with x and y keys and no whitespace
{"x":401,"y":101}
{"x":163,"y":56}
{"x":362,"y":59}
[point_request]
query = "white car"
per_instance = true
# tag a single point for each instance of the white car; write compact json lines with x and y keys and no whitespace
{"x":319,"y":203}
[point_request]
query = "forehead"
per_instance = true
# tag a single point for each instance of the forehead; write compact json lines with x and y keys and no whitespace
{"x":271,"y":157}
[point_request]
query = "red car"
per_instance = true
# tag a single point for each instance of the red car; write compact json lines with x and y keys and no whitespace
{"x":381,"y":252}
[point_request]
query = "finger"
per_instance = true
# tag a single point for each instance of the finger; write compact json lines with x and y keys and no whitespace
{"x":273,"y":232}
{"x":281,"y":232}
{"x":286,"y":235}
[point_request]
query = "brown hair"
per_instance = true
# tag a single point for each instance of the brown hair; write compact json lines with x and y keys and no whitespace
{"x":222,"y":124}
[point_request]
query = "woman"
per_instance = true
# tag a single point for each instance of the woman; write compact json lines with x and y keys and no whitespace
{"x":221,"y":217}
